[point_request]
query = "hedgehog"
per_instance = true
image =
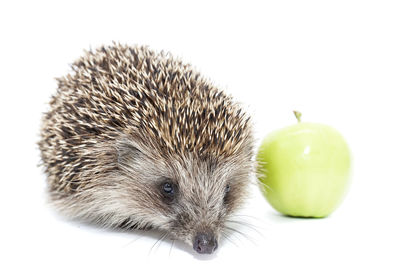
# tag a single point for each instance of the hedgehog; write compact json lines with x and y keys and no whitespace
{"x":137,"y":139}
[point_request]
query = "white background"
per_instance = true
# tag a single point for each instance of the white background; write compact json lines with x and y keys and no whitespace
{"x":336,"y":61}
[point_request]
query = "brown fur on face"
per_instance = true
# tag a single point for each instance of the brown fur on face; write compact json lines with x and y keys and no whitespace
{"x":126,"y":121}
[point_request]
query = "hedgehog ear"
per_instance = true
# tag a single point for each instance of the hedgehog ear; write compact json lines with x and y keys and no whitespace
{"x":127,"y":152}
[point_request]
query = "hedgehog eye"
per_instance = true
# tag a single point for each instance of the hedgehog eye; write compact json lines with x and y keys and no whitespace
{"x":227,"y":189}
{"x":168,"y":190}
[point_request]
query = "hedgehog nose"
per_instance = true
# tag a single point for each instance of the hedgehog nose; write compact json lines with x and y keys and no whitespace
{"x":205,"y":243}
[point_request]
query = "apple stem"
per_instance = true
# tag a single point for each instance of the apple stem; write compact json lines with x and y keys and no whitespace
{"x":298,"y":115}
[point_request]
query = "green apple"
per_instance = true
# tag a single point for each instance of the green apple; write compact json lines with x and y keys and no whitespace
{"x":304,"y":169}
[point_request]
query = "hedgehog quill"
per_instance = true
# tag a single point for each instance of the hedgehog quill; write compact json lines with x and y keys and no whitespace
{"x":138,"y":139}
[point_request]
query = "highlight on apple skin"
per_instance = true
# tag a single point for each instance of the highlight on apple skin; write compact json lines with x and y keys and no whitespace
{"x":304,"y":169}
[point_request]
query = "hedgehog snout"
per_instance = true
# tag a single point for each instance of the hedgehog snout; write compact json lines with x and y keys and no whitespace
{"x":205,"y":243}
